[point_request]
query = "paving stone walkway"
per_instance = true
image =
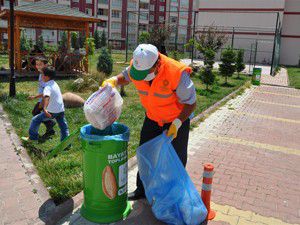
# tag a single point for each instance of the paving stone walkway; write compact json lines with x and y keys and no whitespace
{"x":18,"y":203}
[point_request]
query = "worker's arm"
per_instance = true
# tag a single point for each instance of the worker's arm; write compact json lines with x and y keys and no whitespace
{"x":187,"y":96}
{"x":118,"y":80}
{"x":186,"y":112}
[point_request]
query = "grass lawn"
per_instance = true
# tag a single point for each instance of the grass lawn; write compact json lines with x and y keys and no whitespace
{"x":62,"y":175}
{"x":294,"y":76}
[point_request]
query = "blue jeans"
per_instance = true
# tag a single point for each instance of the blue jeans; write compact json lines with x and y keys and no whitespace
{"x":38,"y":119}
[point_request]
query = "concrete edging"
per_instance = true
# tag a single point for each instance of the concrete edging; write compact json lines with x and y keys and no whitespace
{"x":54,"y":213}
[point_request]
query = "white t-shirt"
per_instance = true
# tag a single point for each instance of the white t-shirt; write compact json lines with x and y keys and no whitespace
{"x":56,"y":104}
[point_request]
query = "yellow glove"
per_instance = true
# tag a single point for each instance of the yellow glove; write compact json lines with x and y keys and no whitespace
{"x":173,"y":129}
{"x":113,"y":81}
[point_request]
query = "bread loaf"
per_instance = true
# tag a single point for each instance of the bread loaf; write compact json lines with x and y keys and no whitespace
{"x":109,"y":184}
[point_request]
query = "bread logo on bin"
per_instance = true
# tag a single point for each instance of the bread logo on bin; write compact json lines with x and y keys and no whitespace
{"x":109,"y":183}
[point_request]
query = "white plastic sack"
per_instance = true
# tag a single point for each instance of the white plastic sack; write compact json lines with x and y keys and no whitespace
{"x":103,"y":107}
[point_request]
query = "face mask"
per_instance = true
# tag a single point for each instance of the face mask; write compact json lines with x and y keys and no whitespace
{"x":150,"y":76}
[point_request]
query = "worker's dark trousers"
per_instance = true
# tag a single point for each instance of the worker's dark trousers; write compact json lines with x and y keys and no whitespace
{"x":151,"y":129}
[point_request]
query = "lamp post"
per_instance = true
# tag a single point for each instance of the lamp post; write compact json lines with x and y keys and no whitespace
{"x":12,"y":84}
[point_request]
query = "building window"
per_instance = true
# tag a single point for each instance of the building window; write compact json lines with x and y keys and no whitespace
{"x":132,"y":5}
{"x":162,"y":0}
{"x":152,"y":7}
{"x":103,"y":12}
{"x":152,"y":18}
{"x":161,"y":19}
{"x":184,"y":14}
{"x":184,"y":3}
{"x":143,"y":27}
{"x":117,"y":3}
{"x":103,"y":1}
{"x":115,"y":25}
{"x":173,"y":19}
{"x":174,"y":9}
{"x":132,"y":28}
{"x":161,"y":8}
{"x":182,"y":30}
{"x":115,"y":14}
{"x":144,"y":5}
{"x":183,"y":21}
{"x":89,"y":12}
{"x":144,"y":16}
{"x":115,"y":36}
{"x":88,"y":1}
{"x":102,"y":24}
{"x":132,"y":16}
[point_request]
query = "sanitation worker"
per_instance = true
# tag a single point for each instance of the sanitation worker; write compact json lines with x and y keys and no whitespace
{"x":168,"y":96}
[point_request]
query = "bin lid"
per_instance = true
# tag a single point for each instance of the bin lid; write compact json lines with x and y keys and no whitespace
{"x":115,"y":132}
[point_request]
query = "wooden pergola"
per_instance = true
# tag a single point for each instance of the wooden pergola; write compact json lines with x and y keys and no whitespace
{"x":46,"y":15}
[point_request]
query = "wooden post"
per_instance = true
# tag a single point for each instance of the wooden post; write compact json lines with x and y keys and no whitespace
{"x":8,"y":37}
{"x":87,"y":33}
{"x":69,"y":41}
{"x":18,"y":57}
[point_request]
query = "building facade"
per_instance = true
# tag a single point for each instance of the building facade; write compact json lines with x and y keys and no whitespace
{"x":251,"y":25}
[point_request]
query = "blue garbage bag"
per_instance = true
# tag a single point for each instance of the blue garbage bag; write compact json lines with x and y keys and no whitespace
{"x":169,"y":190}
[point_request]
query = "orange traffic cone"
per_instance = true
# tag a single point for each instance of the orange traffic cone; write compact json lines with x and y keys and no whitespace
{"x":206,"y":189}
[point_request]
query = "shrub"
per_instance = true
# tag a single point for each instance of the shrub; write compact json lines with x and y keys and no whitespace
{"x":227,"y":67}
{"x":63,"y":43}
{"x":40,"y":43}
{"x":144,"y":37}
{"x":239,"y":64}
{"x":97,"y":39}
{"x":207,"y":76}
{"x":103,"y":40}
{"x":105,"y":62}
{"x":209,"y":56}
{"x":24,"y":44}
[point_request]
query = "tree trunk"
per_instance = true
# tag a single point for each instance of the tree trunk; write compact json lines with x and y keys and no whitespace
{"x":207,"y":87}
{"x":238,"y":75}
{"x":225,"y":79}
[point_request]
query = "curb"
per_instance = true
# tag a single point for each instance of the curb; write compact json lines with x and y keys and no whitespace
{"x":51,"y":213}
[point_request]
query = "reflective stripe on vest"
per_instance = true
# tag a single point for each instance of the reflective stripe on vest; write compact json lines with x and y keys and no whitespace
{"x":143,"y":92}
{"x":162,"y":96}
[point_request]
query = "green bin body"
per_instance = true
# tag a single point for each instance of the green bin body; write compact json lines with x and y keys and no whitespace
{"x":256,"y":75}
{"x":105,"y":173}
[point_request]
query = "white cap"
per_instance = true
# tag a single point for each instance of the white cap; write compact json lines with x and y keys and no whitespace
{"x":144,"y":57}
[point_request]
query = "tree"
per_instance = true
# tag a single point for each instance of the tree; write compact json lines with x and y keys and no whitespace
{"x":103,"y":41}
{"x":158,"y":34}
{"x":207,"y":76}
{"x":63,"y":43}
{"x":97,"y":39}
{"x":227,"y":67}
{"x":24,"y":44}
{"x":30,"y":42}
{"x":240,"y":65}
{"x":209,"y":56}
{"x":144,"y":37}
{"x":91,"y":45}
{"x":105,"y":62}
{"x":40,"y":43}
{"x":74,"y":40}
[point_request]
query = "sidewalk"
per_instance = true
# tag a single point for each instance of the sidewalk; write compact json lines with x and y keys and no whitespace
{"x":253,"y":142}
{"x":18,"y":203}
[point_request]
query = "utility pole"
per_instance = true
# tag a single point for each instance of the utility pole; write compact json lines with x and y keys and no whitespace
{"x":12,"y":83}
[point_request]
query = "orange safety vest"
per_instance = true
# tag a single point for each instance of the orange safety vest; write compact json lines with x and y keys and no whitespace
{"x":160,"y":100}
